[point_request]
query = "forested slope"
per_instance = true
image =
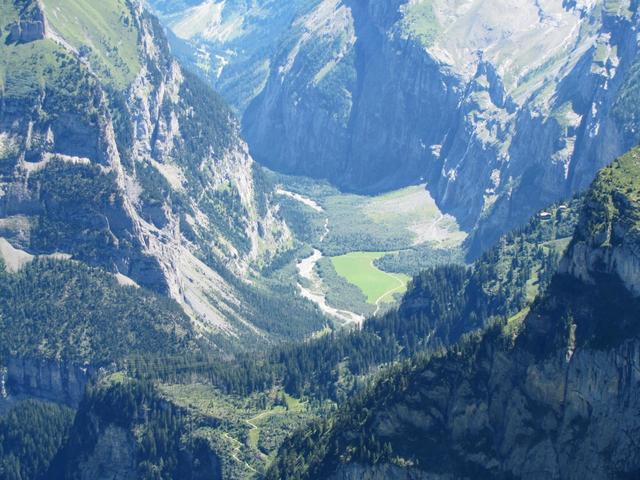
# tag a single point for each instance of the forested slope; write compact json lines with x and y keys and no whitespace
{"x":553,"y":395}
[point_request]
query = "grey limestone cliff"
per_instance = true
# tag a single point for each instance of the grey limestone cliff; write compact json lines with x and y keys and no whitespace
{"x":500,"y":106}
{"x":134,"y":166}
{"x":49,"y":380}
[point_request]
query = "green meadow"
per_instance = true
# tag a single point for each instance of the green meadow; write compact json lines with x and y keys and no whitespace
{"x":378,"y":286}
{"x":104,"y":32}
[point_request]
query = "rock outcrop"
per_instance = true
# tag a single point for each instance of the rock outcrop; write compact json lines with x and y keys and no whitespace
{"x":58,"y":382}
{"x":113,"y":456}
{"x":607,"y":239}
{"x":556,"y":418}
{"x":126,"y":431}
{"x":26,"y":31}
{"x":31,"y":26}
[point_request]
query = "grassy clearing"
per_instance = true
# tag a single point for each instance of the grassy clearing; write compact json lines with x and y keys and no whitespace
{"x":388,"y":222}
{"x":392,"y":221}
{"x":25,"y":68}
{"x":420,"y":22}
{"x":28,"y":69}
{"x":405,"y":226}
{"x":246,"y":431}
{"x":340,"y":293}
{"x":253,"y":438}
{"x":378,"y":286}
{"x":515,"y":323}
{"x":104,"y":30}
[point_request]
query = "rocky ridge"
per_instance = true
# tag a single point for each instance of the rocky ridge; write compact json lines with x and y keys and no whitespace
{"x":606,"y":241}
{"x":176,"y":218}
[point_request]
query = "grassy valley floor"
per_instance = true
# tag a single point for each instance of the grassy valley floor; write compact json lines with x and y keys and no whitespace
{"x":377,"y":285}
{"x":357,"y":253}
{"x":246,"y":431}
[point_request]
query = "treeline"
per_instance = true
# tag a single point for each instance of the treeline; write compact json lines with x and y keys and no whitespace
{"x":310,"y":368}
{"x":416,"y":259}
{"x":350,"y":435}
{"x":439,"y":309}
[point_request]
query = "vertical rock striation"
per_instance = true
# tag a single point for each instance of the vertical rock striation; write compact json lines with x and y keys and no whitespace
{"x":501,"y":106}
{"x":166,"y":194}
{"x":54,"y":381}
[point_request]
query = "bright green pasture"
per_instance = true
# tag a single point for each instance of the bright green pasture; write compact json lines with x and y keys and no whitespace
{"x":378,"y":286}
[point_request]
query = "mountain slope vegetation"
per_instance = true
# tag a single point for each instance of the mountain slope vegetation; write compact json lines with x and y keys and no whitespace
{"x":65,"y":310}
{"x":159,"y":312}
{"x":112,"y":155}
{"x":441,"y":305}
{"x":538,"y":400}
{"x":210,"y":395}
{"x":30,"y":436}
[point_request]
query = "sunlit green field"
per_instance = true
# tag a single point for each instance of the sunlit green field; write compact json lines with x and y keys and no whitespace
{"x":421,"y":22}
{"x":402,"y":232}
{"x":378,"y":286}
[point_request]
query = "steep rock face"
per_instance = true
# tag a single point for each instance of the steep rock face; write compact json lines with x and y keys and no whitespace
{"x":563,"y":136}
{"x":355,"y":472}
{"x":30,"y":27}
{"x":112,"y":457}
{"x":606,"y":241}
{"x":558,"y":418}
{"x":132,"y":165}
{"x":334,"y":83}
{"x":126,"y":430}
{"x":502,"y":107}
{"x":59,"y":382}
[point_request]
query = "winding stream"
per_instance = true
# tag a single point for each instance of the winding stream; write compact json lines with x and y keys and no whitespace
{"x":306,"y":270}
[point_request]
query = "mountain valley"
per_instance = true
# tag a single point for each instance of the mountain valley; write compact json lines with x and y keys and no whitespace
{"x":319,"y":239}
{"x":484,"y":119}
